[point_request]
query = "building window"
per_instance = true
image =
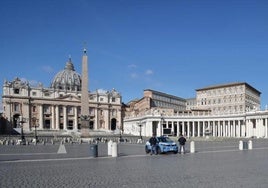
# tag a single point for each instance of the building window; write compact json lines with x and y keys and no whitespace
{"x":70,"y":110}
{"x":46,"y":109}
{"x":16,"y":107}
{"x":113,"y":99}
{"x":91,"y":111}
{"x":113,"y":112}
{"x":17,"y":91}
{"x":46,"y":94}
{"x":34,"y":93}
{"x":34,"y":108}
{"x":101,"y":99}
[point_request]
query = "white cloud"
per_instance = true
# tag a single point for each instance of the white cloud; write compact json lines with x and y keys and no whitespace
{"x":149,"y":72}
{"x":48,"y":69}
{"x":132,"y":66}
{"x":134,"y":75}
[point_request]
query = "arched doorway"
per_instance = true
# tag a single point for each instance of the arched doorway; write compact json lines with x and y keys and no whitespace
{"x":113,"y":124}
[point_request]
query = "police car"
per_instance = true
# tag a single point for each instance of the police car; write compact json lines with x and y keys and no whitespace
{"x":164,"y":145}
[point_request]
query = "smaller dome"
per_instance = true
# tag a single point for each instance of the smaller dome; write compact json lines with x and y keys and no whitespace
{"x":67,"y":79}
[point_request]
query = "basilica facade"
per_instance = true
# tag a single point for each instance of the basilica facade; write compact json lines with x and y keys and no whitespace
{"x":58,"y":107}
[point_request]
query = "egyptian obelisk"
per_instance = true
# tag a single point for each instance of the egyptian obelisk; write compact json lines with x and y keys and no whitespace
{"x":85,"y":118}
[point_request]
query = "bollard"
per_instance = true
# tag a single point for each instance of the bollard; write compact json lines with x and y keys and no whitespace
{"x":250,"y":144}
{"x":93,"y":150}
{"x":182,"y":150}
{"x":114,"y":149}
{"x":109,"y":144}
{"x":240,"y":145}
{"x":192,"y":147}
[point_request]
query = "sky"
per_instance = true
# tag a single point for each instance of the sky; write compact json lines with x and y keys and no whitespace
{"x":172,"y":46}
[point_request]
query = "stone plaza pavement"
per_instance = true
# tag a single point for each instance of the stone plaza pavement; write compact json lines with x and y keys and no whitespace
{"x":215,"y":164}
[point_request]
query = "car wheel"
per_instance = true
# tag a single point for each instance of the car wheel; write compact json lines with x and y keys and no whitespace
{"x":175,"y":152}
{"x":147,"y":150}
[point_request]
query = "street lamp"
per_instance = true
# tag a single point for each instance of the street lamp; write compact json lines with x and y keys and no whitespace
{"x":162,"y":124}
{"x":22,"y":121}
{"x":140,"y":125}
{"x":35,"y":131}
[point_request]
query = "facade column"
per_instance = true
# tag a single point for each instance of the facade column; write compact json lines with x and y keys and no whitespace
{"x":57,"y":114}
{"x":64,"y":118}
{"x":53,"y":126}
{"x":41,"y":117}
{"x":75,"y":118}
{"x":96,"y":119}
{"x":26,"y":114}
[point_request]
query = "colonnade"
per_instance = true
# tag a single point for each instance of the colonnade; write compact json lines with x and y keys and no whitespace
{"x":234,"y":126}
{"x":252,"y":127}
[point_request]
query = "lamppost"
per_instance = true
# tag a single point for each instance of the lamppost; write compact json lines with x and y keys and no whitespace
{"x":35,"y":131}
{"x":120,"y":134}
{"x":140,"y":125}
{"x":22,"y":121}
{"x":162,"y":124}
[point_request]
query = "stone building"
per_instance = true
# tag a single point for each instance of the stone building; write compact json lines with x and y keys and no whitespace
{"x":227,"y":110}
{"x":155,"y":102}
{"x":58,"y":107}
{"x":229,"y":98}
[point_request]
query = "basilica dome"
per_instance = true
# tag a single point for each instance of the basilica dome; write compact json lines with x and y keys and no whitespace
{"x":67,"y":79}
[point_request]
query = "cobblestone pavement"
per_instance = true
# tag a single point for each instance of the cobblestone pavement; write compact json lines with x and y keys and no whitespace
{"x":214,"y":164}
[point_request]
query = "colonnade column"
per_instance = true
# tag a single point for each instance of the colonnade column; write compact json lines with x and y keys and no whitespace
{"x":183,"y":128}
{"x":203,"y":127}
{"x":188,"y":129}
{"x":214,"y":129}
{"x":193,"y":132}
{"x":198,"y":128}
{"x":265,"y":128}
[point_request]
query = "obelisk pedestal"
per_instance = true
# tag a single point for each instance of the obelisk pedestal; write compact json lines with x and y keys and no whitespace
{"x":84,"y":128}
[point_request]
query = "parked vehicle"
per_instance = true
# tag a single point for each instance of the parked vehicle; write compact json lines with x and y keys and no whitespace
{"x":164,"y":145}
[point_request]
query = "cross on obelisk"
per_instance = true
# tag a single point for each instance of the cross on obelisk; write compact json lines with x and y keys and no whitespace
{"x":85,"y":118}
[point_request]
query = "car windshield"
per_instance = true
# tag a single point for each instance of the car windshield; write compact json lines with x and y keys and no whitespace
{"x":164,"y":139}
